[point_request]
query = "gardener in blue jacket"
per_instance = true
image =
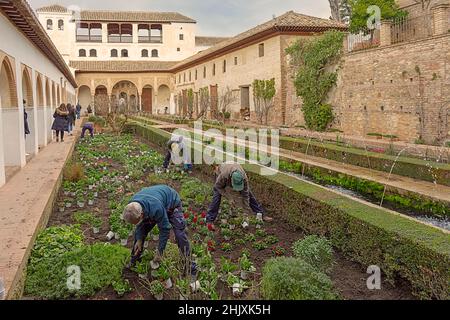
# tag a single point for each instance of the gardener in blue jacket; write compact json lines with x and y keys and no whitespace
{"x":159,"y":205}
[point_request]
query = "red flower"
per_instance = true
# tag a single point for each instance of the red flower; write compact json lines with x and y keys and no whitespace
{"x":202,"y":222}
{"x":203,"y":215}
{"x":186,"y":215}
{"x":195,"y":219}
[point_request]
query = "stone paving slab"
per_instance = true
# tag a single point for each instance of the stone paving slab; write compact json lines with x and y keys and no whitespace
{"x":25,"y":205}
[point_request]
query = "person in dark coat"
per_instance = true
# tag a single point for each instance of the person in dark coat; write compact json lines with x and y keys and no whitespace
{"x":61,"y":122}
{"x":88,"y":126}
{"x":78,"y":110}
{"x":89,"y":109}
{"x":71,"y":118}
{"x":25,"y":118}
{"x":158,"y":205}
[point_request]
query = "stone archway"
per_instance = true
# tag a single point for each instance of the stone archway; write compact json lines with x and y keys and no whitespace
{"x":121,"y":96}
{"x":27,"y":88}
{"x":9,"y":144}
{"x":101,"y":101}
{"x":31,"y":142}
{"x":163,"y":99}
{"x":147,"y":99}
{"x":84,"y":97}
{"x":41,"y":112}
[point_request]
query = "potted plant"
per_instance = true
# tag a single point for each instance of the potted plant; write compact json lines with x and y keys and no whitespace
{"x":91,"y":199}
{"x":68,"y":203}
{"x":226,"y":233}
{"x":183,"y":288}
{"x":165,"y":277}
{"x":157,"y":289}
{"x":110,"y":235}
{"x":96,"y":224}
{"x":155,"y":233}
{"x":61,"y":207}
{"x":236,"y":284}
{"x":246,"y":266}
{"x":80,"y":201}
{"x":123,"y":236}
{"x":142,"y":269}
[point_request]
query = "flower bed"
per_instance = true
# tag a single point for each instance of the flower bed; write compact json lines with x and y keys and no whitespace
{"x":231,"y":261}
{"x":401,"y":247}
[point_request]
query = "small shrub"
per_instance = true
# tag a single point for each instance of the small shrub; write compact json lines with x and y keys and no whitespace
{"x":55,"y":241}
{"x":101,"y":266}
{"x":294,"y":279}
{"x":74,"y":172}
{"x":316,"y":251}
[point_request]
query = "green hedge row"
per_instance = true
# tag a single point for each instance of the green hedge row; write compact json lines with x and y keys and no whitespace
{"x":404,"y":166}
{"x":369,"y":235}
{"x":401,"y":247}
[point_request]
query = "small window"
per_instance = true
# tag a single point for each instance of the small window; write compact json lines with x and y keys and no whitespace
{"x":155,"y":53}
{"x":82,"y":53}
{"x":261,"y":50}
{"x":60,"y":24}
{"x":178,"y":49}
{"x":184,"y":77}
{"x":124,"y":53}
{"x":114,"y":53}
{"x":214,"y":69}
{"x":181,"y":37}
{"x":179,"y":78}
{"x":235,"y":61}
{"x":144,"y":53}
{"x":49,"y":24}
{"x":93,"y":53}
{"x":224,"y":67}
{"x":190,"y":76}
{"x":204,"y":72}
{"x":196,"y":74}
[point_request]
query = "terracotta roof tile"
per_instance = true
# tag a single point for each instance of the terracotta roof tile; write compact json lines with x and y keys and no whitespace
{"x":290,"y":21}
{"x":53,"y":8}
{"x":135,"y":16}
{"x":23,"y":17}
{"x":122,"y":66}
{"x":208,"y":41}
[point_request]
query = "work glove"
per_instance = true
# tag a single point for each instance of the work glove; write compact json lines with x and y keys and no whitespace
{"x":137,"y":250}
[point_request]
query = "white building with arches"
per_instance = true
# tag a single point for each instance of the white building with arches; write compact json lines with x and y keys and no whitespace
{"x":34,"y":79}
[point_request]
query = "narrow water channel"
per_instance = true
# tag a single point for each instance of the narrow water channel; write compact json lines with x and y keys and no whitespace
{"x":440,"y":223}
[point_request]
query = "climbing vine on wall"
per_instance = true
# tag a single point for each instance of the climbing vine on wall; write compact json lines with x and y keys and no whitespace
{"x":312,"y":60}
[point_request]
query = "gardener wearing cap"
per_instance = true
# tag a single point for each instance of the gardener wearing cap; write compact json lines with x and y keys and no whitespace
{"x":175,"y":147}
{"x":159,"y":205}
{"x":232,"y":175}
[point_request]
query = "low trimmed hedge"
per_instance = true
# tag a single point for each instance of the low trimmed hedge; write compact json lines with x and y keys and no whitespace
{"x":286,"y":278}
{"x":404,"y":166}
{"x":369,"y":235}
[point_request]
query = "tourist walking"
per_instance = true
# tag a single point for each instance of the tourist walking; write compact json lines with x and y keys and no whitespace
{"x":78,"y":110}
{"x":89,"y":110}
{"x":232,"y":176}
{"x":25,"y":119}
{"x":61,"y":122}
{"x":71,"y":118}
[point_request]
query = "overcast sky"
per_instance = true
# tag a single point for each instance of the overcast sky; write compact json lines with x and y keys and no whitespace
{"x":214,"y":17}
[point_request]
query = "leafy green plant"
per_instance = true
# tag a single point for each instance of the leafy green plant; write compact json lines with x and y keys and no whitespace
{"x":156,"y":288}
{"x":121,"y":287}
{"x":270,"y":240}
{"x":260,"y":245}
{"x":313,"y":81}
{"x":227,"y":247}
{"x":227,"y":266}
{"x":87,"y":218}
{"x":294,"y":279}
{"x":55,"y":241}
{"x":315,"y":250}
{"x":100,"y":265}
{"x":246,"y":264}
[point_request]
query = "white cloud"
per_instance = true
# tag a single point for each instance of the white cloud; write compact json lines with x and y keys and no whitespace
{"x":214,"y":17}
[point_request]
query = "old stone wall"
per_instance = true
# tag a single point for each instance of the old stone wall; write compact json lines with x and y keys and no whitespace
{"x":401,"y":90}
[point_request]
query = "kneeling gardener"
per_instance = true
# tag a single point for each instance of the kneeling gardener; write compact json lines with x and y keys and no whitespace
{"x":159,"y":205}
{"x":232,"y":180}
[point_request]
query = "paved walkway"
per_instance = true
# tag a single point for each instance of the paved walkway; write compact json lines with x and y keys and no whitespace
{"x":25,"y":205}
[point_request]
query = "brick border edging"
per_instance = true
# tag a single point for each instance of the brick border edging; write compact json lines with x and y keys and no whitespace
{"x":18,"y":284}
